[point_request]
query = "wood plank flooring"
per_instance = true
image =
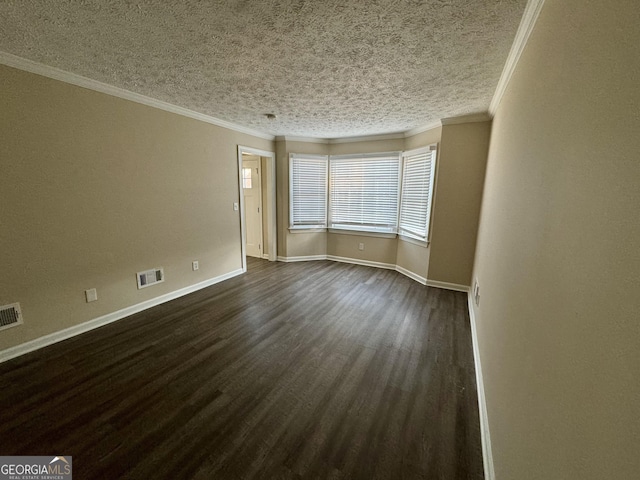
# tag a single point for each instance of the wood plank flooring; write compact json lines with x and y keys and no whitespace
{"x":314,"y":370}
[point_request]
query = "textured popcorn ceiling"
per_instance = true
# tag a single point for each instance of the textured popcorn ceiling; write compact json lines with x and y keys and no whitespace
{"x":326,"y":68}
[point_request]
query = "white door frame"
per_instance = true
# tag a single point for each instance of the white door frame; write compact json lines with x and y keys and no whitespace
{"x":271,"y":202}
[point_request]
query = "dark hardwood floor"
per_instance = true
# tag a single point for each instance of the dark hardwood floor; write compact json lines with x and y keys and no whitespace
{"x":298,"y":370}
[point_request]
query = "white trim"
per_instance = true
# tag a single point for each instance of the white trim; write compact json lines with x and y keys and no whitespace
{"x":265,"y":256}
{"x":529,"y":17}
{"x":375,"y":155}
{"x":361,"y":233}
{"x":304,"y":229}
{"x":334,"y":258}
{"x":357,"y":261}
{"x":333,"y":141}
{"x":487,"y":455}
{"x":411,"y":275}
{"x":243,"y":227}
{"x":448,"y":286}
{"x":80,"y":81}
{"x":433,"y":159}
{"x":61,"y":335}
{"x":367,"y":138}
{"x":415,"y":241}
{"x":471,"y":118}
{"x":304,"y":258}
{"x":366,"y":263}
{"x":427,"y":127}
{"x":289,"y":138}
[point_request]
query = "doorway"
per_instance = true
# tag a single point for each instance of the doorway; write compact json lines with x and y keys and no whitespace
{"x":252,"y":192}
{"x":257,"y":203}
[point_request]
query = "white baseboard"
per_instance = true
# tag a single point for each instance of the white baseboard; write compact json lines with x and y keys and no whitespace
{"x":61,"y":335}
{"x":411,"y":275}
{"x":448,"y":286}
{"x":357,"y":261}
{"x":387,"y":266}
{"x":306,"y":258}
{"x":487,"y":455}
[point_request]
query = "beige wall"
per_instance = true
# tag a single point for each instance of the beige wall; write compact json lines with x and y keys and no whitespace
{"x":558,"y":253}
{"x":369,"y":146}
{"x":96,"y":188}
{"x":458,"y":192}
{"x":421,"y":139}
{"x":376,"y":249}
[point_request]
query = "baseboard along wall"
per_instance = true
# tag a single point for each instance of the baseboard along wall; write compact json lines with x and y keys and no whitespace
{"x":61,"y":335}
{"x":487,"y":455}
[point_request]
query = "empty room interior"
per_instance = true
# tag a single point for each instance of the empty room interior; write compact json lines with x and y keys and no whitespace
{"x":343,"y":239}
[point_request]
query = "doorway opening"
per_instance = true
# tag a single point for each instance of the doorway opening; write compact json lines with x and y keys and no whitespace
{"x":257,"y":184}
{"x":252,"y":196}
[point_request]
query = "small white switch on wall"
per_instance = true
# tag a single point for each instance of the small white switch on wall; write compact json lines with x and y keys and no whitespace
{"x":235,"y":206}
{"x":195,"y":265}
{"x":92,"y":295}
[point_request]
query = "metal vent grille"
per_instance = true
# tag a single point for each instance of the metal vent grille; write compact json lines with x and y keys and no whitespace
{"x":10,"y":316}
{"x":150,"y":277}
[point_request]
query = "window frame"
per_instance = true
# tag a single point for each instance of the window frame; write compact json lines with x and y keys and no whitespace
{"x":294,"y":224}
{"x":410,"y":234}
{"x":364,"y":196}
{"x":387,"y":231}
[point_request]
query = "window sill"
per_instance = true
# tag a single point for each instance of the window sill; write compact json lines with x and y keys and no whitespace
{"x":414,"y":241}
{"x":306,"y":230}
{"x":362,"y":233}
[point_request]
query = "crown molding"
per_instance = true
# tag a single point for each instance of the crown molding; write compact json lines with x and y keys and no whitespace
{"x":529,"y":17}
{"x":290,"y":138}
{"x":84,"y":82}
{"x":471,"y":118}
{"x":424,"y":128}
{"x":332,"y":141}
{"x":367,"y":138}
{"x":370,"y":138}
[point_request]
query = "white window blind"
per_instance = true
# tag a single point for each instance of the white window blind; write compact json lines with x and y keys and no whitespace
{"x":308,"y":191}
{"x":364,"y":192}
{"x":417,"y":191}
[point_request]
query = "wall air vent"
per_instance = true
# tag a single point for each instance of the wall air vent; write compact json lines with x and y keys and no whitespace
{"x":150,"y":277}
{"x":10,"y":316}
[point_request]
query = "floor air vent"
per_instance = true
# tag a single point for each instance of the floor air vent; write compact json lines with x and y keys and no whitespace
{"x":150,"y":277}
{"x":10,"y":316}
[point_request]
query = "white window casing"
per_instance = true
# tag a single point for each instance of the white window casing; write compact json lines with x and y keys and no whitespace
{"x":376,"y":194}
{"x":417,"y":192}
{"x":364,"y":192}
{"x":307,"y":191}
